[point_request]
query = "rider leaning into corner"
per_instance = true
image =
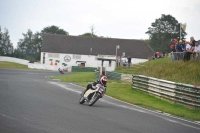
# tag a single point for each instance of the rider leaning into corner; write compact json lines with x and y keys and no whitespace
{"x":103,"y":80}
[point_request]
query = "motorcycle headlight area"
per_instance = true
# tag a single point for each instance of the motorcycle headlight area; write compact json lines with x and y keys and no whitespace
{"x":101,"y":90}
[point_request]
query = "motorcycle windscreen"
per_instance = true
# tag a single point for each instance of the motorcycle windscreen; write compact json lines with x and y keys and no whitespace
{"x":89,"y":92}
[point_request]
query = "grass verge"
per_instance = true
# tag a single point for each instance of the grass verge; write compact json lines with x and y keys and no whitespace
{"x":4,"y":64}
{"x":179,"y":71}
{"x":125,"y":93}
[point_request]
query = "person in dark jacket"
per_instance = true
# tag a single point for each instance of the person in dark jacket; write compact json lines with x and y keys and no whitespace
{"x":129,"y":61}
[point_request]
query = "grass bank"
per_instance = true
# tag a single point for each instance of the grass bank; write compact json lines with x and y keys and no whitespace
{"x":179,"y":71}
{"x":125,"y":92}
{"x":11,"y":65}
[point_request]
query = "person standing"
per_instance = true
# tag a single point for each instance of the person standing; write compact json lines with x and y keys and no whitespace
{"x":192,"y":43}
{"x":180,"y":50}
{"x":197,"y":49}
{"x":187,"y":51}
{"x":129,"y":61}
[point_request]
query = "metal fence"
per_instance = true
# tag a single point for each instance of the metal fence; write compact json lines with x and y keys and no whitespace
{"x":185,"y":56}
{"x":185,"y":94}
{"x":83,"y":69}
{"x":110,"y":75}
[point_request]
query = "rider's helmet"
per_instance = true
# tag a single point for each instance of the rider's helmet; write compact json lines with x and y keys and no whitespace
{"x":103,"y":80}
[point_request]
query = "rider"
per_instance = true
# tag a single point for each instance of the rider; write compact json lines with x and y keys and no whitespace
{"x":102,"y":81}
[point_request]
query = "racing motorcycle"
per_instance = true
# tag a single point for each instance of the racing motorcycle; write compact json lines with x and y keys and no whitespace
{"x":92,"y":95}
{"x":62,"y":70}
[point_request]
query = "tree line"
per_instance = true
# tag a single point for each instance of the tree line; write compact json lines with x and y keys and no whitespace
{"x":161,"y":33}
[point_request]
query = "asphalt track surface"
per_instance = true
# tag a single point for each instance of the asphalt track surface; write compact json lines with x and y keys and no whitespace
{"x":32,"y":103}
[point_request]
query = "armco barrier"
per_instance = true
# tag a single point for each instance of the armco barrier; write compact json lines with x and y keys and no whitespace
{"x":185,"y":94}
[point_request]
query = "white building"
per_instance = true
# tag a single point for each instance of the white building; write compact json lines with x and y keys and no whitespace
{"x":59,"y":50}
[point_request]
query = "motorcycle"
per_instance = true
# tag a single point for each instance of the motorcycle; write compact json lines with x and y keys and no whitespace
{"x":62,"y":70}
{"x":91,"y":96}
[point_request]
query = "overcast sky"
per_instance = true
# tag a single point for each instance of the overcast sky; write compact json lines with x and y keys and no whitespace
{"x":127,"y":19}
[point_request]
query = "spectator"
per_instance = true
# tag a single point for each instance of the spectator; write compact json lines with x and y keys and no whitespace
{"x":187,"y":51}
{"x":180,"y":46}
{"x":183,"y":45}
{"x":158,"y":55}
{"x":172,"y":46}
{"x":197,"y":47}
{"x":187,"y":47}
{"x":155,"y":56}
{"x":192,"y":43}
{"x":175,"y":45}
{"x":129,"y":61}
{"x":180,"y":50}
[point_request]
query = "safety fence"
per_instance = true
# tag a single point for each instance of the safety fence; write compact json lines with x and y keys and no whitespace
{"x":12,"y":59}
{"x":83,"y":69}
{"x":110,"y":75}
{"x":185,"y":56}
{"x":185,"y":94}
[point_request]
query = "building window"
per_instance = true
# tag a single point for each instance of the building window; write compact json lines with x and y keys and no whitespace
{"x":75,"y":56}
{"x":50,"y":55}
{"x":53,"y":55}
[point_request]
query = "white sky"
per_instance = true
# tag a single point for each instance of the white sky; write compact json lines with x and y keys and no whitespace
{"x":127,"y":19}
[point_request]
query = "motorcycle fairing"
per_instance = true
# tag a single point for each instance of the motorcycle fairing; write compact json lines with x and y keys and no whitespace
{"x":89,"y":92}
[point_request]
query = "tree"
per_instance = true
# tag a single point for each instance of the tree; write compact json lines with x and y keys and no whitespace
{"x":28,"y":47}
{"x":37,"y":44}
{"x":89,"y":35}
{"x":54,"y":30}
{"x":92,"y":34}
{"x":1,"y":47}
{"x":6,"y":47}
{"x":163,"y":31}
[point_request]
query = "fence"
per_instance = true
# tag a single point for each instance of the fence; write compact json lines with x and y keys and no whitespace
{"x":110,"y":75}
{"x":83,"y":69}
{"x":12,"y":59}
{"x":185,"y":94}
{"x":185,"y":56}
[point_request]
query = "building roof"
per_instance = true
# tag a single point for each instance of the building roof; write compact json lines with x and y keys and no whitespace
{"x":55,"y":43}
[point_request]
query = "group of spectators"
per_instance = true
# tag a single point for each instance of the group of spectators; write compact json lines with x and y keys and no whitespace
{"x":157,"y":55}
{"x":187,"y":47}
{"x":124,"y":61}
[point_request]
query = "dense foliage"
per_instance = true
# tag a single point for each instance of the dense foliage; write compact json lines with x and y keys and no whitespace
{"x":163,"y":31}
{"x":6,"y":47}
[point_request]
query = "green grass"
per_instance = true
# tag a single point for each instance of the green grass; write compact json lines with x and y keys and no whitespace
{"x":77,"y":77}
{"x":178,"y":71}
{"x":4,"y":64}
{"x":124,"y":92}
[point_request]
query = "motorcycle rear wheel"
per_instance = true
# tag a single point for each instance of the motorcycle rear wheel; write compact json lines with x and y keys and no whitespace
{"x":94,"y":99}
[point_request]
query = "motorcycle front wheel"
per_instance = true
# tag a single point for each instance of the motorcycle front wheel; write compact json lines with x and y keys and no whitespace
{"x":82,"y":100}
